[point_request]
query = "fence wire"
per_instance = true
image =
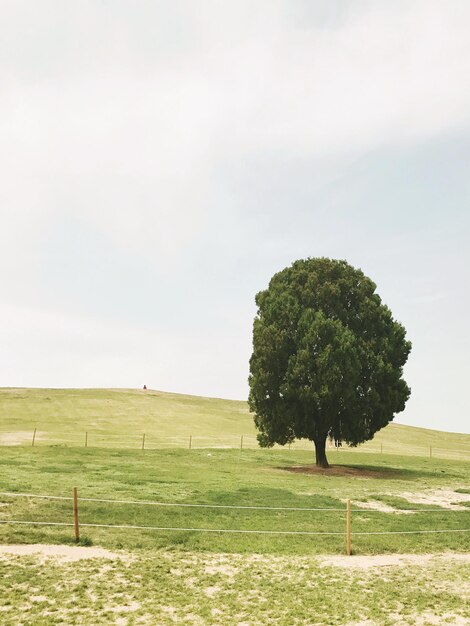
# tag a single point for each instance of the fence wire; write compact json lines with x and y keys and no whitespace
{"x":220,"y":530}
{"x":223,"y":506}
{"x":240,"y":531}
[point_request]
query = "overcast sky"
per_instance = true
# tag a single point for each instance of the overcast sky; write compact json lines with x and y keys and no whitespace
{"x":161,"y":160}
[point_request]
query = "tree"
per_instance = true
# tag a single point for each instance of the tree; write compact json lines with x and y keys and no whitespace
{"x":327,"y":357}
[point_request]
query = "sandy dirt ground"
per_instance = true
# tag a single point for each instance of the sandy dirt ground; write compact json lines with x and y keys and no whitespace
{"x":77,"y":553}
{"x":20,"y":437}
{"x":390,"y":560}
{"x":442,"y":498}
{"x":446,"y":498}
{"x":63,"y":553}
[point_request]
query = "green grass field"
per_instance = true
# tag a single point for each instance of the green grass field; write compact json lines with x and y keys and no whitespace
{"x":236,"y":478}
{"x":191,"y":577}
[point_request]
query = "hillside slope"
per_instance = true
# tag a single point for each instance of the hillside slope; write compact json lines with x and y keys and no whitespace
{"x":120,"y":417}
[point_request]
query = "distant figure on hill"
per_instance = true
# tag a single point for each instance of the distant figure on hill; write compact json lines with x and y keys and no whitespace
{"x":145,"y":387}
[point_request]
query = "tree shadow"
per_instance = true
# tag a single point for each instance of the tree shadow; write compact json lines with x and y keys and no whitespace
{"x":359,"y":471}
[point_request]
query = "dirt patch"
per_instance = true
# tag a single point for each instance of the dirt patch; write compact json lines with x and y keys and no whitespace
{"x":221,"y":568}
{"x":387,"y":560}
{"x":20,"y":437}
{"x":445,"y":498}
{"x":211,"y":591}
{"x":63,"y":553}
{"x":341,"y":470}
{"x":428,"y":618}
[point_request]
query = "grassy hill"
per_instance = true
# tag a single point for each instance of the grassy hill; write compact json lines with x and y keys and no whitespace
{"x":119,"y":418}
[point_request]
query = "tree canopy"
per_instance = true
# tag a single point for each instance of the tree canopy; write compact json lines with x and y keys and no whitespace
{"x":327,"y":357}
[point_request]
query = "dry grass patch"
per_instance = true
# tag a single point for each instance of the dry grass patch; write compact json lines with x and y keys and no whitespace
{"x":445,"y":498}
{"x":391,"y":560}
{"x":62,"y":553}
{"x":21,"y":437}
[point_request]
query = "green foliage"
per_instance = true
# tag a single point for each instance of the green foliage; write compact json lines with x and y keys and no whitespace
{"x":327,"y":356}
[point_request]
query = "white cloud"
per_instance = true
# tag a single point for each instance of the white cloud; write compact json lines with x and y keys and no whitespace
{"x":104,"y":114}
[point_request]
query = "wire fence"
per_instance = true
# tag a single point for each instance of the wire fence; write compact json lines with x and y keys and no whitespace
{"x":346,"y":512}
{"x":146,"y":441}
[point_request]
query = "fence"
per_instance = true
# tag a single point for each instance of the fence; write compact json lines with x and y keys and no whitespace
{"x":346,"y":511}
{"x":150,"y":441}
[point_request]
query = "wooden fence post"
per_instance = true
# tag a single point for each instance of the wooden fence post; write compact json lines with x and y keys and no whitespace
{"x":86,"y":439}
{"x":381,"y":448}
{"x":75,"y":515}
{"x":241,"y":442}
{"x":143,"y":441}
{"x":348,"y":527}
{"x":190,"y":437}
{"x":34,"y":437}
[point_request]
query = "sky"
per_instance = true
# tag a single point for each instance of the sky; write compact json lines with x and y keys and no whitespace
{"x":160,"y":161}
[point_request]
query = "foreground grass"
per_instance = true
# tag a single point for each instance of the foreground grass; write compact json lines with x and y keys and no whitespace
{"x":119,"y":418}
{"x":187,"y":577}
{"x":230,"y":477}
{"x":167,"y":587}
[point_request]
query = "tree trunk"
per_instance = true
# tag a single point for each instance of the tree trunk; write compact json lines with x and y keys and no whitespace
{"x":320,"y":453}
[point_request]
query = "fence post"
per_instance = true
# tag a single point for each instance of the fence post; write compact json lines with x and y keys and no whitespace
{"x":34,"y":437}
{"x":86,"y":439}
{"x":190,"y":437}
{"x":348,"y":527}
{"x":75,"y":515}
{"x":241,"y":442}
{"x":143,"y":441}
